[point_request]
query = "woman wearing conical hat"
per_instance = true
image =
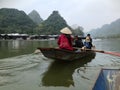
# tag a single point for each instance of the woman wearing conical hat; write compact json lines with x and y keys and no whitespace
{"x":65,"y":39}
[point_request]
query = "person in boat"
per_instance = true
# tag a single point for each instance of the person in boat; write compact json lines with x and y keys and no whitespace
{"x":65,"y":39}
{"x":88,"y":42}
{"x":88,"y":35}
{"x":78,"y":42}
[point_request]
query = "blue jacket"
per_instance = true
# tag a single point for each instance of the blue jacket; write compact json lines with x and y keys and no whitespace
{"x":88,"y":45}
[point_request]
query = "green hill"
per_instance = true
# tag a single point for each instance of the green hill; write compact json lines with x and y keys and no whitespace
{"x":53,"y":24}
{"x":15,"y":21}
{"x":34,"y":15}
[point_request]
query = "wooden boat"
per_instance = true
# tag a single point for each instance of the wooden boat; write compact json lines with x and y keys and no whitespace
{"x":108,"y":79}
{"x":61,"y":54}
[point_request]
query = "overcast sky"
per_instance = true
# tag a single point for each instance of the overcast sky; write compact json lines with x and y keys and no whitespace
{"x":89,"y":14}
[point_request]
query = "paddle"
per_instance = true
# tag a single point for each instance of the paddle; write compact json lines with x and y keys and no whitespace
{"x":106,"y":52}
{"x":101,"y":51}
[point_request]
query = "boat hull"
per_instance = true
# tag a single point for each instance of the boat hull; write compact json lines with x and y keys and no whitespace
{"x":61,"y":54}
{"x":108,"y":79}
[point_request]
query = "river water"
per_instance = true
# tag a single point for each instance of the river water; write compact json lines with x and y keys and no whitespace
{"x":21,"y":69}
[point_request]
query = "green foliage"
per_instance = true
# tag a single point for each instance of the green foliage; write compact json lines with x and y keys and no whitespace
{"x":14,"y":21}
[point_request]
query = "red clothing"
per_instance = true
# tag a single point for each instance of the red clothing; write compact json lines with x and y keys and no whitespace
{"x":64,"y":43}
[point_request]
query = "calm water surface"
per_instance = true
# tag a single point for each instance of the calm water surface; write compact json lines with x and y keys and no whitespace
{"x":21,"y":69}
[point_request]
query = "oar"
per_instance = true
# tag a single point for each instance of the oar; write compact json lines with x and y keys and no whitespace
{"x":106,"y":52}
{"x":101,"y":51}
{"x":112,"y":53}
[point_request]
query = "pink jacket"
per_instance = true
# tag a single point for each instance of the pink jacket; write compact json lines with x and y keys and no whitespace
{"x":64,"y":43}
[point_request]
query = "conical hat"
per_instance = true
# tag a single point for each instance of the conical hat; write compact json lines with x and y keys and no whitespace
{"x":66,"y":30}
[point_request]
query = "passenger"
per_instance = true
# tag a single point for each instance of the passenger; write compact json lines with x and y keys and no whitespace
{"x":78,"y":42}
{"x":88,"y":35}
{"x":65,"y":39}
{"x":88,"y":42}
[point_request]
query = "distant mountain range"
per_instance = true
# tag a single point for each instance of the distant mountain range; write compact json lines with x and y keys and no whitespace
{"x":111,"y":30}
{"x":16,"y":21}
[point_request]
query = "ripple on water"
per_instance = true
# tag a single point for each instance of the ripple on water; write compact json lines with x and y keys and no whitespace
{"x":86,"y":75}
{"x":13,"y":69}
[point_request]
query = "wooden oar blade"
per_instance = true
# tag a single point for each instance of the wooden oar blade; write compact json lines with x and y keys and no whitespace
{"x":112,"y":53}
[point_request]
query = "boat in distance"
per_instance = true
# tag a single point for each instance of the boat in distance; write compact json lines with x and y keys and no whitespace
{"x":62,"y":54}
{"x":108,"y":79}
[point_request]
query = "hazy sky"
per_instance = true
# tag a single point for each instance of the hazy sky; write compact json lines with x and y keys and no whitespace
{"x":89,"y":14}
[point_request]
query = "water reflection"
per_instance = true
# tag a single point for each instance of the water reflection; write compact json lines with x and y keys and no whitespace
{"x":60,"y":72}
{"x":9,"y":48}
